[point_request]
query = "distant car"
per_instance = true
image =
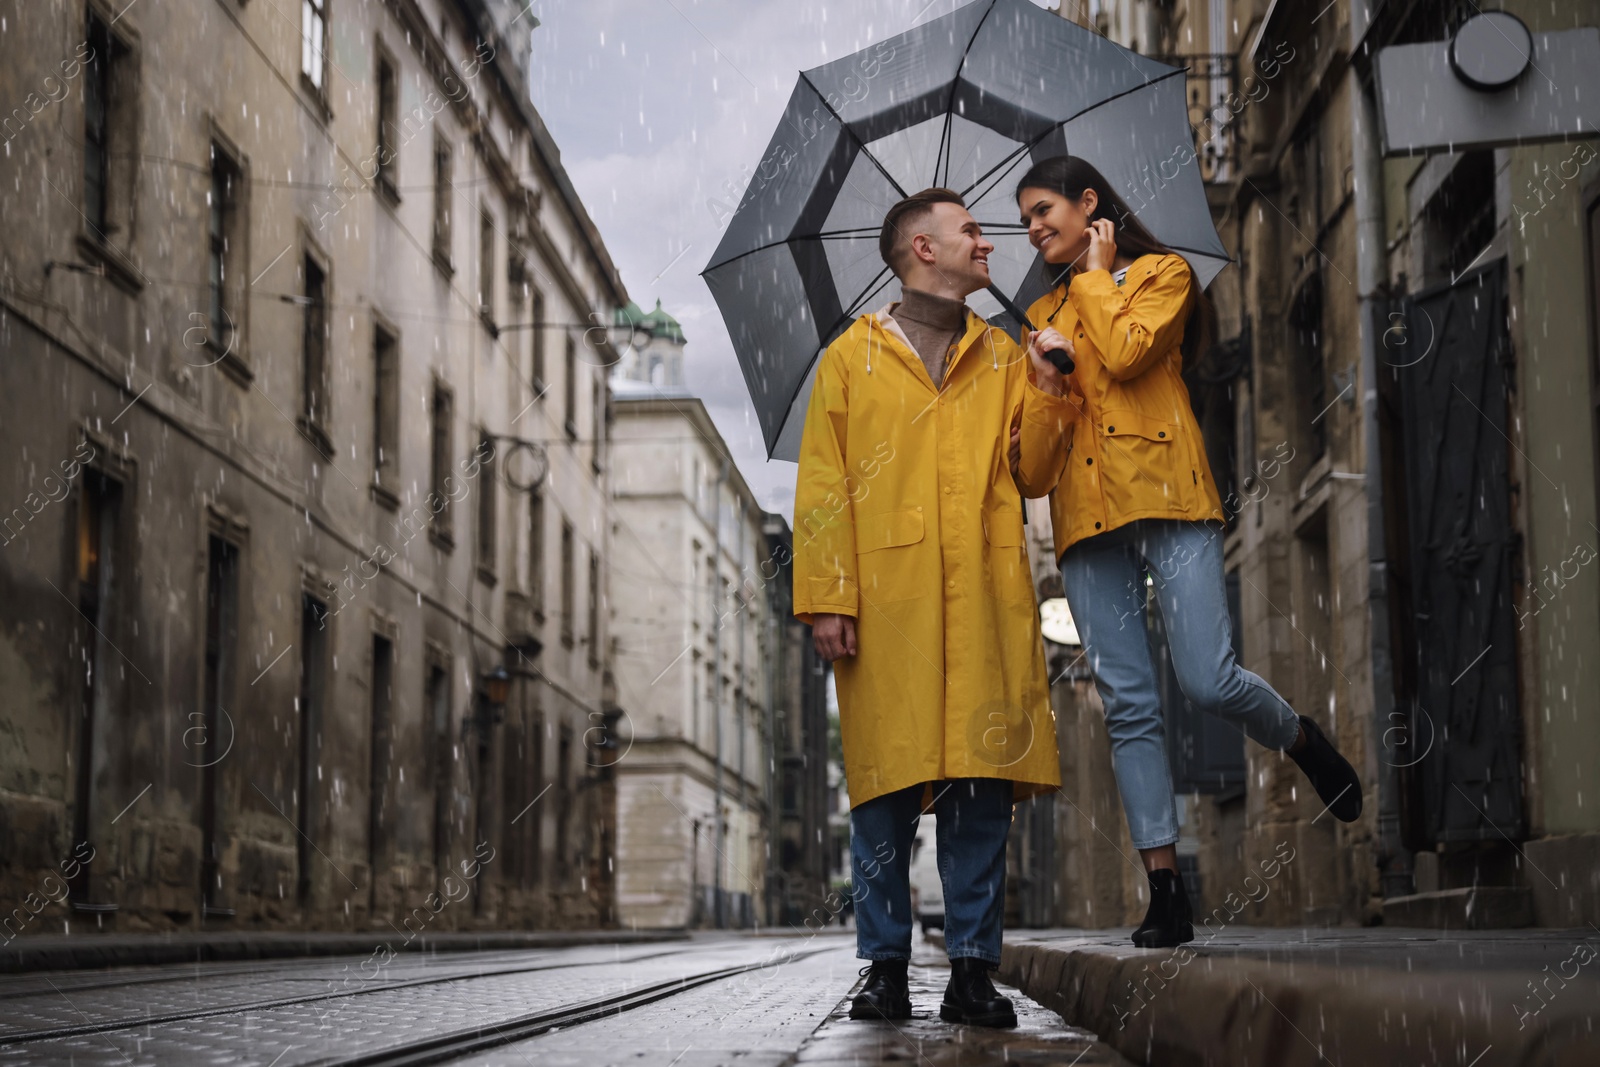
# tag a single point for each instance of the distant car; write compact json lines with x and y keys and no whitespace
{"x":927,"y":891}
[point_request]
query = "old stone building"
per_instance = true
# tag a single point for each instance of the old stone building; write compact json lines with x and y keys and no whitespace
{"x":1400,"y":416}
{"x":720,"y":787}
{"x":303,"y":618}
{"x":693,"y":638}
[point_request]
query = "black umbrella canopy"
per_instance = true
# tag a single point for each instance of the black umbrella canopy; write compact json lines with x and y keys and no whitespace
{"x":966,"y":101}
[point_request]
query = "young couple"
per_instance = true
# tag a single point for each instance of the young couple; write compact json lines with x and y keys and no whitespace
{"x":917,"y":584}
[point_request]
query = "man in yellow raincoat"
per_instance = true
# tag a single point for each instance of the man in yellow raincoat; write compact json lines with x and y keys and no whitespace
{"x":911,"y":568}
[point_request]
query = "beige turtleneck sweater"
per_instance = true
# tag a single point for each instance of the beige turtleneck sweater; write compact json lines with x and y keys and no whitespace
{"x":933,"y":325}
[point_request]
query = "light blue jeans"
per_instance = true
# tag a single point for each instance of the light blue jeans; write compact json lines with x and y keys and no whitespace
{"x":1104,"y":576}
{"x":974,"y":817}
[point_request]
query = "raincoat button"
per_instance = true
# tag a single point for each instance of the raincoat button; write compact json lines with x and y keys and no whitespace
{"x":1111,"y":429}
{"x":951,"y":583}
{"x":1089,"y":462}
{"x":947,"y":490}
{"x":919,"y":507}
{"x":1161,"y":433}
{"x":1097,"y":526}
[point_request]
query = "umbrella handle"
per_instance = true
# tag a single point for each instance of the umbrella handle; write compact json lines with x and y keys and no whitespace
{"x":1057,"y":356}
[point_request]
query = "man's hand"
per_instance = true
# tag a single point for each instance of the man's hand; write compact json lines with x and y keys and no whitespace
{"x":1046,"y":376}
{"x":834,"y":635}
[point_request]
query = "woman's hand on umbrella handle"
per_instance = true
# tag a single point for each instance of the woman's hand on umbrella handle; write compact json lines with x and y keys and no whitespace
{"x":1050,"y":377}
{"x":1102,"y":254}
{"x":833,"y":635}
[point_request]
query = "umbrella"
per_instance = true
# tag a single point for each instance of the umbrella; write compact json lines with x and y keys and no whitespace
{"x":967,"y":101}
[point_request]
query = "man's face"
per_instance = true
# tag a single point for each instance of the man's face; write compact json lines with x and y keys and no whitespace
{"x":960,"y":252}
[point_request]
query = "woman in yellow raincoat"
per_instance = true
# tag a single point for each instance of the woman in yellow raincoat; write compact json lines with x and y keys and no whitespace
{"x":1136,"y":499}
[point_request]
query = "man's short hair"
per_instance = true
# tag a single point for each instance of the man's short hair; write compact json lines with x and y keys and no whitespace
{"x":905,"y":218}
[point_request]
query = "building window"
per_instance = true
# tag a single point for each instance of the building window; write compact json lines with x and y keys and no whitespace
{"x":314,"y":44}
{"x":1310,"y":369}
{"x":388,"y":148}
{"x":110,"y":90}
{"x":594,"y":609}
{"x":536,"y":551}
{"x":538,"y":343}
{"x":487,"y":503}
{"x":486,"y":267}
{"x":534,"y":778}
{"x":222,"y":639}
{"x":441,"y":758}
{"x":382,"y":796}
{"x":386,"y":416}
{"x":97,"y":125}
{"x":597,"y":416}
{"x":516,"y":314}
{"x":442,"y":190}
{"x":572,"y":388}
{"x":568,"y":580}
{"x":313,"y":681}
{"x":225,"y":244}
{"x":314,"y":356}
{"x":439,"y":468}
{"x":564,"y":798}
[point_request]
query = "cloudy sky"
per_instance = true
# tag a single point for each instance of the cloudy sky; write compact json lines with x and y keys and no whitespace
{"x":661,"y":107}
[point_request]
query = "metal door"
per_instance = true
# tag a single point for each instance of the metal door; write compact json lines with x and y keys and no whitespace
{"x":1464,"y":778}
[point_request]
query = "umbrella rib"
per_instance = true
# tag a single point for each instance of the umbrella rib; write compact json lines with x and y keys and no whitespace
{"x":860,"y":144}
{"x":876,"y":284}
{"x":1048,"y":130}
{"x":945,"y":140}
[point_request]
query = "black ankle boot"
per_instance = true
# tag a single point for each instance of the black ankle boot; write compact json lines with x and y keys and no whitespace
{"x":1331,"y":774}
{"x":887,"y":994}
{"x":972,"y":999}
{"x":1169,"y":920}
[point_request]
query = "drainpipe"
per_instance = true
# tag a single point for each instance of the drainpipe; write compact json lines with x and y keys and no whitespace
{"x":1394,"y":861}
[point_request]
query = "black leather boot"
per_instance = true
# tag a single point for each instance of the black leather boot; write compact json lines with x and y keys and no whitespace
{"x":972,"y":999}
{"x":887,"y":994}
{"x":1169,"y":920}
{"x":1331,"y":774}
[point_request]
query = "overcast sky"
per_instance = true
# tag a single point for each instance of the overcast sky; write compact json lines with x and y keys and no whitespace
{"x":660,"y":106}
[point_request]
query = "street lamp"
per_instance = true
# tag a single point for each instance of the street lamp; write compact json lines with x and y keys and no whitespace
{"x":496,"y":687}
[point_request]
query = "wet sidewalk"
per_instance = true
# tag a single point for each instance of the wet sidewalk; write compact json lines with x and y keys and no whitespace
{"x":1352,"y":997}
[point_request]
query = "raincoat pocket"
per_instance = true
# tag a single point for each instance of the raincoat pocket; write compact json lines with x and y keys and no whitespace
{"x":888,"y":566}
{"x":1143,"y":461}
{"x":1005,"y":559}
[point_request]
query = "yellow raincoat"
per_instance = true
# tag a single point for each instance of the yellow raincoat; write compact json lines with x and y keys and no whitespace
{"x":908,"y":519}
{"x":1136,"y":451}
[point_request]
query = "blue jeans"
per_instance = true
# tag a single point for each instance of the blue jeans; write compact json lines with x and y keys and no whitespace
{"x":974,"y":817}
{"x":1104,"y":576}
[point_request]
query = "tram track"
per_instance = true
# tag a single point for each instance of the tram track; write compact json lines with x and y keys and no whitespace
{"x":370,"y":987}
{"x":470,"y":1040}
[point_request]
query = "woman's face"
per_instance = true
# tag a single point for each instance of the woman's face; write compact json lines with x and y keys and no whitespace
{"x":1057,"y":225}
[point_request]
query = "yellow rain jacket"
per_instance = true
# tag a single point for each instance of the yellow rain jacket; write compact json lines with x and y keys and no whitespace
{"x":1135,"y":449}
{"x":908,"y":519}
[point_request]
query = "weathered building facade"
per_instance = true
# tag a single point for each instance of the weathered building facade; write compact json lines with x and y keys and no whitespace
{"x":304,"y":613}
{"x":1400,"y":415}
{"x":705,"y":666}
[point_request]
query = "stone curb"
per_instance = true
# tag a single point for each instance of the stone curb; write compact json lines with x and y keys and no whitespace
{"x":66,"y":953}
{"x":1220,"y":1010}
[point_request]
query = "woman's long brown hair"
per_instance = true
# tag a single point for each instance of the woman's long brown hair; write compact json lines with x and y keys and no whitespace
{"x":1071,"y":177}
